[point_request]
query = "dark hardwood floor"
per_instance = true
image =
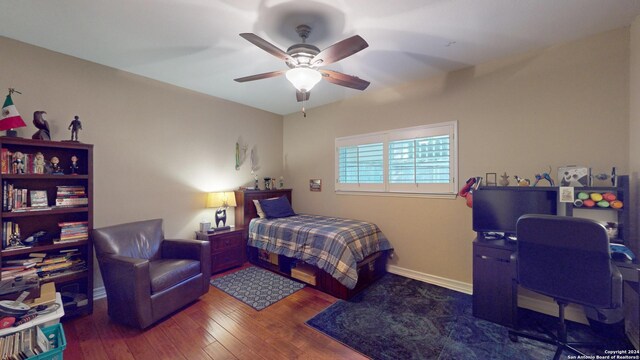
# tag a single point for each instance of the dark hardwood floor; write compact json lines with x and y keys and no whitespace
{"x":215,"y":327}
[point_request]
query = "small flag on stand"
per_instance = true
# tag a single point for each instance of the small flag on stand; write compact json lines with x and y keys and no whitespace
{"x":10,"y":118}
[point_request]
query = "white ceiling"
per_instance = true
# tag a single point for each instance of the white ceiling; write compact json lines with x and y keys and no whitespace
{"x":195,"y":44}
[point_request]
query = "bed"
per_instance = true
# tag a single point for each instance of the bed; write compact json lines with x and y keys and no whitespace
{"x":340,"y":257}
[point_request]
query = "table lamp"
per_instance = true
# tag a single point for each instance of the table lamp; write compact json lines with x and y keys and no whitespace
{"x":221,"y":200}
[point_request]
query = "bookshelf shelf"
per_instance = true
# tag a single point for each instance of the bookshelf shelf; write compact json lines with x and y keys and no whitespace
{"x":43,"y":248}
{"x":25,"y":223}
{"x":52,"y":211}
{"x":44,"y":177}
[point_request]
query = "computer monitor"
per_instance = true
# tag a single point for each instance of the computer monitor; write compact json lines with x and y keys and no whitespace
{"x":497,"y":209}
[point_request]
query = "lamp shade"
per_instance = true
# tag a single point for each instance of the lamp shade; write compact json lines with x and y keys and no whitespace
{"x":303,"y":78}
{"x":221,"y":199}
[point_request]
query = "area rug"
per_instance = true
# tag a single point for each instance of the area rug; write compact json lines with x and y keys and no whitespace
{"x":401,"y":318}
{"x":257,"y":287}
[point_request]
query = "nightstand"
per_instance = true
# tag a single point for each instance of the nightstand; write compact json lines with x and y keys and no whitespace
{"x":227,"y":248}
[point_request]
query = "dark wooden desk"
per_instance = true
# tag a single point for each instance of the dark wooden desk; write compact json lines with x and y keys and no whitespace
{"x":495,"y":288}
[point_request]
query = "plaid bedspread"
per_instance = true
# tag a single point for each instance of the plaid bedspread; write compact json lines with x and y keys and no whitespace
{"x":332,"y":244}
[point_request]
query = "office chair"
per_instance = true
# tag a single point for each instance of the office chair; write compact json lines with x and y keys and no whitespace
{"x":567,"y":259}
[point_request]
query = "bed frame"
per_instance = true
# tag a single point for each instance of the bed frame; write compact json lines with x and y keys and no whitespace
{"x":370,"y":269}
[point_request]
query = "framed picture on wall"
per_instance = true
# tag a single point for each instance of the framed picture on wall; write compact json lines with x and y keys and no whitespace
{"x":315,"y":185}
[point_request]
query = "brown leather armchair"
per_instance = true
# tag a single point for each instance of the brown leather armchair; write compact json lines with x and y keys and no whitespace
{"x":146,"y":276}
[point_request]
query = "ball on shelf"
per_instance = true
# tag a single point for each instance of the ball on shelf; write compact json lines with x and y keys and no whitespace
{"x":589,"y":203}
{"x":616,"y":204}
{"x":603,"y":204}
{"x":609,"y":196}
{"x":596,"y":197}
{"x":583,"y":196}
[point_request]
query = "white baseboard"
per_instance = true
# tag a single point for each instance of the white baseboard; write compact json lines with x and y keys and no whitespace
{"x":432,"y":279}
{"x":99,"y":293}
{"x":572,"y":312}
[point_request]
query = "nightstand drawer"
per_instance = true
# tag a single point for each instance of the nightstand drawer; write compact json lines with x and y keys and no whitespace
{"x":226,"y":241}
{"x":226,"y":259}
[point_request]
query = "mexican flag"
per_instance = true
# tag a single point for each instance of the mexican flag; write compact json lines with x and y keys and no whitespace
{"x":10,"y":119}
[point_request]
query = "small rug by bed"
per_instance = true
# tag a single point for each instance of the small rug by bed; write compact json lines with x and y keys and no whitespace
{"x":257,"y":287}
{"x":401,"y":318}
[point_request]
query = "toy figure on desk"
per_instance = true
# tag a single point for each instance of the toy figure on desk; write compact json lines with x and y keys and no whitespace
{"x":74,"y":165}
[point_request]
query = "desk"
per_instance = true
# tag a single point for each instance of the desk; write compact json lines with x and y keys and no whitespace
{"x":495,"y":288}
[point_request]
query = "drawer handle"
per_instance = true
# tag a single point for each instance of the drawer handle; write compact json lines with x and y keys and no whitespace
{"x":485,"y":257}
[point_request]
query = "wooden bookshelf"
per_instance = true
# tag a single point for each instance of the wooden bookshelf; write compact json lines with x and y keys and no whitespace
{"x":32,"y":221}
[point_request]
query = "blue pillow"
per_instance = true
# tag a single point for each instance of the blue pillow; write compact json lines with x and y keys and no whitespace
{"x":276,"y":208}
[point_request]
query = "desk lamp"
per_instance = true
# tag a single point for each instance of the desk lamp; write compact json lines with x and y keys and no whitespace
{"x":221,"y":201}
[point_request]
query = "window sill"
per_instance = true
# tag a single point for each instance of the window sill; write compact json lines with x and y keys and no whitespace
{"x":399,"y":194}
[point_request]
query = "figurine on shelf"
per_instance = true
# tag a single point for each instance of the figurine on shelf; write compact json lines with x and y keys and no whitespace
{"x":74,"y":165}
{"x":39,"y":163}
{"x":504,"y":179}
{"x":18,"y":162}
{"x":55,"y":166}
{"x":75,"y":126}
{"x":42,"y":124}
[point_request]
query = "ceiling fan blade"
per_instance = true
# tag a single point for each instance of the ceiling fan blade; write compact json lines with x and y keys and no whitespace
{"x":302,"y":96}
{"x":260,"y":76}
{"x":341,"y":79}
{"x":339,"y":51}
{"x":266,"y":46}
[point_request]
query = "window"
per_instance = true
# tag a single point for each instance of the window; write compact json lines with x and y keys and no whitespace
{"x":419,"y":160}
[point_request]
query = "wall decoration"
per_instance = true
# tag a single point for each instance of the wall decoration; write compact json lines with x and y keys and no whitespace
{"x":575,"y":176}
{"x":241,"y":153}
{"x":315,"y":185}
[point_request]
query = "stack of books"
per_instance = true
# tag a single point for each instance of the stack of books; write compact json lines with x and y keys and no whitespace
{"x":73,"y":231}
{"x":71,"y":196}
{"x":66,"y":262}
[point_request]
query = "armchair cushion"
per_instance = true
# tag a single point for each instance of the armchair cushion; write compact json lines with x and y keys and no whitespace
{"x":166,"y":273}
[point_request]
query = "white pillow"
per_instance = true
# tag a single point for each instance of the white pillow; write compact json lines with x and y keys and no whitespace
{"x":259,"y":208}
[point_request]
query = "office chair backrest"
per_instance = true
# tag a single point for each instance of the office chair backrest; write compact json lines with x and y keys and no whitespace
{"x":566,"y":258}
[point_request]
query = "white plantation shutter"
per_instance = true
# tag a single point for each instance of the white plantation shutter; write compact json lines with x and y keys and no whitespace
{"x":420,"y":159}
{"x":360,"y":164}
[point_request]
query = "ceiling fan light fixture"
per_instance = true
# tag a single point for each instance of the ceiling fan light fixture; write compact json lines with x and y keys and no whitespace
{"x":303,"y":78}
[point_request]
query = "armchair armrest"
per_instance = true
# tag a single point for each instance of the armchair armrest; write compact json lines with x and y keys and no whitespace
{"x":616,"y":286}
{"x":128,"y":286}
{"x":189,"y":249}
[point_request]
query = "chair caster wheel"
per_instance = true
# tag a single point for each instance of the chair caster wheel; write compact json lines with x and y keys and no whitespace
{"x":513,"y":337}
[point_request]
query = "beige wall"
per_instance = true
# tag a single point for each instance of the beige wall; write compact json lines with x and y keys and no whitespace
{"x":158,"y":148}
{"x":567,"y":104}
{"x":634,"y":132}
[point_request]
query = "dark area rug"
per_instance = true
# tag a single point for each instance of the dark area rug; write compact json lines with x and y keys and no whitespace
{"x":401,"y":318}
{"x":257,"y":287}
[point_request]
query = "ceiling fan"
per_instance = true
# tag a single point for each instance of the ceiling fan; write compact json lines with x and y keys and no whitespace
{"x":304,"y":61}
